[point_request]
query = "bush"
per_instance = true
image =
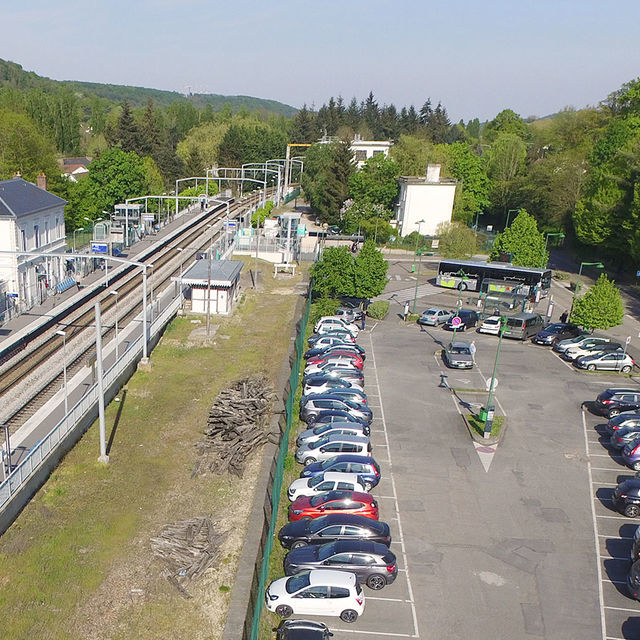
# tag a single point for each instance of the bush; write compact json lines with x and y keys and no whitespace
{"x":378,"y":309}
{"x":323,"y":307}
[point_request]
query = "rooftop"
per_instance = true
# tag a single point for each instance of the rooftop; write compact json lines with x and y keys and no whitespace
{"x":20,"y":198}
{"x":223,"y":272}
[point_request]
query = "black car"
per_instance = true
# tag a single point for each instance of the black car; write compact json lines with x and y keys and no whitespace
{"x":372,"y":562}
{"x":623,"y":421}
{"x":557,"y":331}
{"x":332,"y":527}
{"x":614,"y":401}
{"x":302,"y":630}
{"x":350,"y":375}
{"x":335,"y":415}
{"x":355,"y":395}
{"x":633,"y":580}
{"x":626,"y":497}
{"x":623,"y":436}
{"x":344,"y":346}
{"x":467,"y":318}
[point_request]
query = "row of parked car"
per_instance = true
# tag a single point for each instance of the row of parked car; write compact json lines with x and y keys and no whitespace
{"x":335,"y":539}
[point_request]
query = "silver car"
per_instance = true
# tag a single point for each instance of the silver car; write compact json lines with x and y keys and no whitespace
{"x":330,"y":446}
{"x":606,"y":361}
{"x":433,"y":317}
{"x":458,"y":355}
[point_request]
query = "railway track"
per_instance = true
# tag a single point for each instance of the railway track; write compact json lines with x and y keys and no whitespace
{"x":20,"y":372}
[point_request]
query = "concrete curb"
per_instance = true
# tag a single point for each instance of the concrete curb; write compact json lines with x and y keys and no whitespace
{"x":243,"y":595}
{"x":480,"y":439}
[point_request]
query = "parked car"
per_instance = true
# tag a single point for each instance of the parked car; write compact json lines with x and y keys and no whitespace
{"x":457,"y":355}
{"x":522,"y":326}
{"x":302,"y":630}
{"x":335,"y":415}
{"x":324,"y":384}
{"x":373,"y":563}
{"x":334,"y":526}
{"x":622,"y":421}
{"x":606,"y":361}
{"x":635,"y":546}
{"x":354,"y":376}
{"x":633,"y":580}
{"x":332,"y":428}
{"x":330,"y":446}
{"x":468,"y":319}
{"x":343,"y":336}
{"x":355,"y":502}
{"x":434,"y":316}
{"x":323,"y":343}
{"x":329,"y":481}
{"x":490,"y":325}
{"x":626,"y":497}
{"x":556,"y":332}
{"x":623,"y":436}
{"x":335,"y":357}
{"x":320,"y":592}
{"x":349,"y":314}
{"x":365,"y":466}
{"x":348,"y":365}
{"x":314,"y":407}
{"x":631,"y":455}
{"x":577,"y":342}
{"x":572,"y":354}
{"x":351,"y":347}
{"x":614,"y":401}
{"x":331,"y":323}
{"x":355,"y":395}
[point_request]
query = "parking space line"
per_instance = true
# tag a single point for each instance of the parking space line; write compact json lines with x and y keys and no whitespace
{"x":377,"y":633}
{"x":605,"y":455}
{"x":395,"y":493}
{"x":622,"y":609}
{"x":564,"y":362}
{"x":614,"y":581}
{"x":607,"y":468}
{"x":602,"y":535}
{"x":603,"y":622}
{"x":388,"y":599}
{"x":614,"y":517}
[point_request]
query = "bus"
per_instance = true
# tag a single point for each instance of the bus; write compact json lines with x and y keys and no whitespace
{"x":494,"y":277}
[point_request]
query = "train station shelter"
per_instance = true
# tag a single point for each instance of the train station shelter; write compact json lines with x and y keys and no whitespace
{"x":222,"y":284}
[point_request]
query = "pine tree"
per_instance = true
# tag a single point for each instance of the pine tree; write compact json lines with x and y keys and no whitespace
{"x":303,"y":127}
{"x":149,"y":131}
{"x":599,"y":308}
{"x":426,"y":113}
{"x":127,"y":136}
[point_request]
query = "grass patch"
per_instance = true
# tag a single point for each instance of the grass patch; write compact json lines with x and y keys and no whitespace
{"x":478,"y":425}
{"x":69,"y":562}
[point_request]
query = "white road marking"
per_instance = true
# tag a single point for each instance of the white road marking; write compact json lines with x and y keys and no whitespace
{"x":388,"y":599}
{"x":603,"y":622}
{"x":613,"y":517}
{"x":395,"y":493}
{"x":622,"y":609}
{"x":375,"y":633}
{"x":602,"y":535}
{"x":608,"y":469}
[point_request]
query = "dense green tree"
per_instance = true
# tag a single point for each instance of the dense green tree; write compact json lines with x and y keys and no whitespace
{"x":523,"y":241}
{"x":456,"y":240}
{"x":126,"y":134}
{"x":150,"y":136}
{"x":333,"y":274}
{"x":303,"y":126}
{"x":506,"y":162}
{"x":411,"y":154}
{"x":376,"y":182}
{"x":600,"y":307}
{"x":248,"y":140}
{"x":193,"y":164}
{"x":507,"y":121}
{"x":472,"y":195}
{"x":370,"y":271}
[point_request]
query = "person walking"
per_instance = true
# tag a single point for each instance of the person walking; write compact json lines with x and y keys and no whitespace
{"x":564,"y":315}
{"x":362,"y":320}
{"x":406,"y":310}
{"x":472,"y":349}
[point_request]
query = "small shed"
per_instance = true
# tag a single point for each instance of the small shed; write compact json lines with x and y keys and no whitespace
{"x":222,"y":283}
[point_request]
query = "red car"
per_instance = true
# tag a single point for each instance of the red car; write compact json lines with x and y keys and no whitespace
{"x":356,"y":360}
{"x":355,"y":502}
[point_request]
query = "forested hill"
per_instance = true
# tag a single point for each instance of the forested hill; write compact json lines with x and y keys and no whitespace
{"x":14,"y":76}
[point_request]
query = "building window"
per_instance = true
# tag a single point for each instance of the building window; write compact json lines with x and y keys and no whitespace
{"x":57,"y":232}
{"x":47,"y":238}
{"x":361,"y":156}
{"x":24,"y":239}
{"x":36,"y":235}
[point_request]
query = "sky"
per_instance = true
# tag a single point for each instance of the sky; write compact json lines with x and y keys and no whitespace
{"x":477,"y":58}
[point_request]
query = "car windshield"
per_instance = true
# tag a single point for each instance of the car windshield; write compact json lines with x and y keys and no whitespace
{"x":492,"y":321}
{"x":319,"y":443}
{"x":430,"y":312}
{"x":316,"y":500}
{"x":460,"y":349}
{"x":318,"y":431}
{"x":315,"y":481}
{"x":297,"y":582}
{"x":317,"y":523}
{"x":331,"y":461}
{"x":326,"y":550}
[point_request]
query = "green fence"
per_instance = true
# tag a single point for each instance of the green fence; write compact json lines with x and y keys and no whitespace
{"x":276,"y":488}
{"x":294,"y":194}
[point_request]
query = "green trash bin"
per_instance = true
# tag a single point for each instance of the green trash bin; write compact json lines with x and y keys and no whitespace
{"x":483,"y":414}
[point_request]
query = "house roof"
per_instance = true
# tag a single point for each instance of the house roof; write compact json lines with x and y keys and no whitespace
{"x":20,"y":198}
{"x":76,"y":161}
{"x":223,"y":272}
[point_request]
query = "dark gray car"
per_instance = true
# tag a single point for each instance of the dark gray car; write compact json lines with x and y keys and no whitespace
{"x":457,"y":355}
{"x":372,"y":562}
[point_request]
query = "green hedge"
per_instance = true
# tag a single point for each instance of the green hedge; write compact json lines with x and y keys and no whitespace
{"x":378,"y":309}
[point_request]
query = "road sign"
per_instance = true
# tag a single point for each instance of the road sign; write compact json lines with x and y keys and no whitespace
{"x":456,"y":321}
{"x":628,"y":340}
{"x":12,"y":295}
{"x":100,"y":247}
{"x":435,"y":244}
{"x":637,"y":274}
{"x":495,"y":383}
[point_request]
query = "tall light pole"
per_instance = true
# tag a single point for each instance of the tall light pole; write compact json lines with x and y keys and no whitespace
{"x":415,"y":293}
{"x":552,"y":235}
{"x":64,"y":369}
{"x":463,"y":277}
{"x":488,"y":419}
{"x":115,"y":293}
{"x":475,"y":226}
{"x":508,"y":214}
{"x":413,"y":266}
{"x":598,"y":265}
{"x":151,"y":292}
{"x":100,"y":382}
{"x":74,"y":237}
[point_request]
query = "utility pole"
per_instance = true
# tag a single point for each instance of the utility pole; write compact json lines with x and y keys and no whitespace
{"x":100,"y":374}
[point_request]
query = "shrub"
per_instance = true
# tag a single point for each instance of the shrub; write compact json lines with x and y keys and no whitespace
{"x":323,"y":307}
{"x":378,"y":309}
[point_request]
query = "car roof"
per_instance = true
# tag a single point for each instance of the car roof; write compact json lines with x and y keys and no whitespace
{"x":347,"y":438}
{"x":621,"y":390}
{"x":345,"y":494}
{"x":353,"y":519}
{"x":332,"y":577}
{"x":433,"y":310}
{"x":459,"y":343}
{"x":364,"y":546}
{"x":338,"y":476}
{"x":356,"y":458}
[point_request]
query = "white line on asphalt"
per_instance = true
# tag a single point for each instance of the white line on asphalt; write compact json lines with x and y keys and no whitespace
{"x":376,"y":633}
{"x":395,"y":493}
{"x":564,"y":362}
{"x":603,"y":622}
{"x":614,"y":581}
{"x":613,"y":484}
{"x":504,"y":413}
{"x":605,"y":455}
{"x":621,"y":609}
{"x":607,"y":469}
{"x":602,"y":535}
{"x":614,"y":517}
{"x":625,"y":557}
{"x":386,"y":497}
{"x":389,"y":599}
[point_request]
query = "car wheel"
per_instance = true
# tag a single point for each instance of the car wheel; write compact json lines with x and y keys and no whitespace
{"x":368,"y":486}
{"x":376,"y":582}
{"x":613,"y":413}
{"x":591,"y":367}
{"x":349,"y":615}
{"x":298,"y":543}
{"x":632,"y":511}
{"x":284,"y":610}
{"x":636,"y":466}
{"x":626,"y":368}
{"x":308,"y":461}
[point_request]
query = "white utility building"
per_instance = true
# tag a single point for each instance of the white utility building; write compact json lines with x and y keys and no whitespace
{"x":221,"y":281}
{"x":429,"y":198}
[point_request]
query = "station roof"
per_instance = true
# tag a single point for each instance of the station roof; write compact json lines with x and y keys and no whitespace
{"x":20,"y":198}
{"x":223,"y":273}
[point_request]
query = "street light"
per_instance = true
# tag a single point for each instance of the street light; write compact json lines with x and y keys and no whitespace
{"x":74,"y":237}
{"x":488,"y":418}
{"x":64,"y":369}
{"x":151,"y":292}
{"x":115,"y":293}
{"x":597,"y":265}
{"x":415,"y":293}
{"x":475,"y":226}
{"x":550,"y":235}
{"x":508,"y":214}
{"x":461,"y":274}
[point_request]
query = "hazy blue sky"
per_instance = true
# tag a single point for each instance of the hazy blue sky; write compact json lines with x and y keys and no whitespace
{"x":476,"y":57}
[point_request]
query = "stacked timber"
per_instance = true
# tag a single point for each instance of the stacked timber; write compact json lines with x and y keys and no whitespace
{"x":187,"y":549}
{"x":237,"y":425}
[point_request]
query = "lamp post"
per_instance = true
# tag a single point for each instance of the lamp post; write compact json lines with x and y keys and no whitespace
{"x":475,"y":226}
{"x":151,"y":292}
{"x":552,"y":235}
{"x":413,"y":266}
{"x":488,"y":419}
{"x":598,"y":265}
{"x":74,"y":237}
{"x":508,"y":214}
{"x":115,"y":293}
{"x":462,"y":277}
{"x":415,"y":293}
{"x":64,"y":369}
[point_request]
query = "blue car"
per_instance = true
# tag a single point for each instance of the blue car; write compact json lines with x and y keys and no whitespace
{"x":366,"y":467}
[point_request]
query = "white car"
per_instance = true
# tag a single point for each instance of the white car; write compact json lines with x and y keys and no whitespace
{"x":319,"y":592}
{"x":331,"y":323}
{"x":326,"y":386}
{"x":328,"y":481}
{"x":490,"y":325}
{"x":331,"y":446}
{"x":332,"y":428}
{"x":331,"y":365}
